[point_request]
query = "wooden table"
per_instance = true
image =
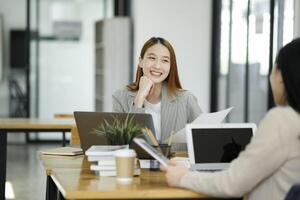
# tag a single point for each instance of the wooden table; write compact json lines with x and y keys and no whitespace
{"x":50,"y":162}
{"x":23,"y":125}
{"x":85,"y":184}
{"x":75,"y":180}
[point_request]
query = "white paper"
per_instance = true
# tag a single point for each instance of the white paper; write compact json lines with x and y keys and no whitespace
{"x":182,"y":161}
{"x":144,"y":164}
{"x":204,"y":118}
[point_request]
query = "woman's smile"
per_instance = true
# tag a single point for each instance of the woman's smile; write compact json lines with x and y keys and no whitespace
{"x":155,"y":73}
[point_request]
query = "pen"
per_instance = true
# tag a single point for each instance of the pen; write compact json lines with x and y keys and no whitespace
{"x":152,"y":137}
{"x":147,"y":137}
{"x":154,"y":140}
{"x":170,"y":138}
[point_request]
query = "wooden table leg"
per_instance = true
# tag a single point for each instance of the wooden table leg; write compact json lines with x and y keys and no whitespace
{"x":64,"y":139}
{"x":3,"y":149}
{"x":60,"y":196}
{"x":51,"y":189}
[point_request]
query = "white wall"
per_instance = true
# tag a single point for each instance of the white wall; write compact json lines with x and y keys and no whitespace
{"x":297,"y":19}
{"x":14,"y":17}
{"x":67,"y":67}
{"x":187,"y":26}
{"x":1,"y":45}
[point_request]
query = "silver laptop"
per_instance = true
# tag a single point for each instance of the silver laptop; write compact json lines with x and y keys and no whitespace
{"x":212,"y":147}
{"x":87,"y":121}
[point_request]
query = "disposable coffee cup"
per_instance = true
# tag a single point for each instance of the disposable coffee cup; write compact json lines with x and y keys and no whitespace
{"x":125,"y":161}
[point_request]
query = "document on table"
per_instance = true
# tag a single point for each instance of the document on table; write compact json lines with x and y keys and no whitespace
{"x":204,"y":118}
{"x":63,"y":151}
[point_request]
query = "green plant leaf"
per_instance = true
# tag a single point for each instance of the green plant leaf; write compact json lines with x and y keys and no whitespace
{"x":119,"y":132}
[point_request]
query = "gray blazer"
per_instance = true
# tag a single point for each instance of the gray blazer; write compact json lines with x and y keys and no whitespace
{"x":176,"y":112}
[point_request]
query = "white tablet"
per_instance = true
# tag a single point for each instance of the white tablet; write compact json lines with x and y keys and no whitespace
{"x":152,"y":151}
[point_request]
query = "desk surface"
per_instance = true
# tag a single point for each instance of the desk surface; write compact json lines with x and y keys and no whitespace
{"x":75,"y":180}
{"x":50,"y":162}
{"x":33,"y":123}
{"x":85,"y":184}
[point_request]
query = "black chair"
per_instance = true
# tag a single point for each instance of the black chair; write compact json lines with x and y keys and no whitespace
{"x":294,"y":193}
{"x":18,"y":100}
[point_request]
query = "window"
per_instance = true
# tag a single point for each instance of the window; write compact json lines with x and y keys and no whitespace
{"x":251,"y":32}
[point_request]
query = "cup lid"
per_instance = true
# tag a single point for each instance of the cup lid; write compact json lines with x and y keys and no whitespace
{"x":125,"y":153}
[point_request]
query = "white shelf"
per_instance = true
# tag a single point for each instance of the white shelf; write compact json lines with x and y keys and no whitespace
{"x":112,"y":63}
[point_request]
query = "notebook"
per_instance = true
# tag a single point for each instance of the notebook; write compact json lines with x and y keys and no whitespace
{"x":103,"y":150}
{"x":87,"y":121}
{"x":63,"y":151}
{"x":214,"y":146}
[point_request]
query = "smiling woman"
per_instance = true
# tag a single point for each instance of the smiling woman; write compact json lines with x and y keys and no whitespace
{"x":157,"y":90}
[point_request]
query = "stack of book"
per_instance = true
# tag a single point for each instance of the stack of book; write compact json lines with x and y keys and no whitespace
{"x":103,"y":159}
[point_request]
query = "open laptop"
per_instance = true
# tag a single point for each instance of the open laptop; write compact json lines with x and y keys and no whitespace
{"x":87,"y":121}
{"x":213,"y":146}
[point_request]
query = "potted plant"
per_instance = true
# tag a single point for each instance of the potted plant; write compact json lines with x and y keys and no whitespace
{"x":119,"y":132}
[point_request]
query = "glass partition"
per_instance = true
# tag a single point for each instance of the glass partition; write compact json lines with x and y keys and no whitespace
{"x":62,"y":55}
{"x":245,"y":54}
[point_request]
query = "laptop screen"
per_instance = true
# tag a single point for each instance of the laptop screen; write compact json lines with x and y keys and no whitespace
{"x":215,"y":145}
{"x":87,"y":121}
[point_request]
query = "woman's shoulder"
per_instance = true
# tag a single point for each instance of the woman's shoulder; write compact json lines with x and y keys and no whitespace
{"x":123,"y":91}
{"x":185,"y":94}
{"x":283,"y":112}
{"x":283,"y":116}
{"x":181,"y":93}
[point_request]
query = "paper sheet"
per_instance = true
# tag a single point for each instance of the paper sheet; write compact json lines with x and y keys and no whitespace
{"x":204,"y":118}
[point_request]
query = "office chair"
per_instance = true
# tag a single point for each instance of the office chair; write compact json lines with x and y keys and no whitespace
{"x":18,"y":100}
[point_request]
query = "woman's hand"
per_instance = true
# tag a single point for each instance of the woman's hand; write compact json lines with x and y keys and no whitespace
{"x":174,"y":173}
{"x":145,"y":87}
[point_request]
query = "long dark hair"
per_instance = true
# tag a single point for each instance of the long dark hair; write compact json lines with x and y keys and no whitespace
{"x":173,"y":82}
{"x":288,"y":62}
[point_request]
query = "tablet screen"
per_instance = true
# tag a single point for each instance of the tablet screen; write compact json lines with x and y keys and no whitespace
{"x":152,"y":151}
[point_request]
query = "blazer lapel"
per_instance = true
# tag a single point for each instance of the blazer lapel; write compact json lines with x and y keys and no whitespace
{"x":168,"y":114}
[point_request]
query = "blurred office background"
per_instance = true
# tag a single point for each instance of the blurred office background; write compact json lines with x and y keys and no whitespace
{"x":58,"y":56}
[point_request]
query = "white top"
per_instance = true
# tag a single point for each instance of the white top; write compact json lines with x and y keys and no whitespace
{"x":154,"y":110}
{"x":267,"y":168}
